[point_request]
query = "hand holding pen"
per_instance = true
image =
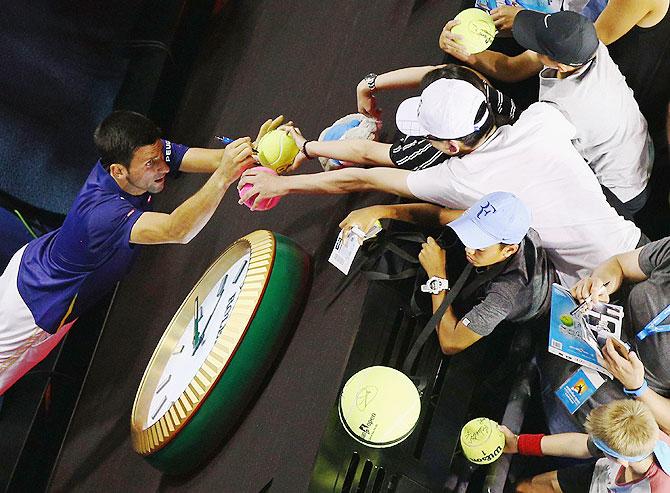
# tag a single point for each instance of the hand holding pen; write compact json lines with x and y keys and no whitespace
{"x":590,"y":290}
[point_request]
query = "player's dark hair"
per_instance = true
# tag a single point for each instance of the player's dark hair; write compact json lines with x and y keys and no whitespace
{"x":452,"y":71}
{"x":120,"y":134}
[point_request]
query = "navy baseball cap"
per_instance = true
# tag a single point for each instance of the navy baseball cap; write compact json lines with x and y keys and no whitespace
{"x":499,"y":217}
{"x":567,"y":37}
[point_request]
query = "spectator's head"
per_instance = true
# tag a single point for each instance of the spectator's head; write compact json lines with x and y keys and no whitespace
{"x":130,"y":148}
{"x":452,"y":114}
{"x":625,"y":430}
{"x":492,"y":228}
{"x":564,"y":41}
{"x":478,"y":80}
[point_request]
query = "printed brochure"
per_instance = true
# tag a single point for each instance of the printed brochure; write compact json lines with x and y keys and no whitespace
{"x":578,"y":335}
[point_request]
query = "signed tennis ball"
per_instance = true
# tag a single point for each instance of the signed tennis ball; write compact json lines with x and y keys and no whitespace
{"x":379,"y":406}
{"x":476,"y":30}
{"x":277,"y":150}
{"x":264,"y":204}
{"x":482,"y":441}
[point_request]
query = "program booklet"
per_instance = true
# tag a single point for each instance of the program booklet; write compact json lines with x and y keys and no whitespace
{"x":346,"y":247}
{"x":578,"y":335}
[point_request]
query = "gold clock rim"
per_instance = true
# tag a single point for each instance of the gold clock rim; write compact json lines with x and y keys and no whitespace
{"x":261,"y":245}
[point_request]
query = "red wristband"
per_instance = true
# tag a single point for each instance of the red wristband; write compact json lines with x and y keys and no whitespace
{"x":530,"y":445}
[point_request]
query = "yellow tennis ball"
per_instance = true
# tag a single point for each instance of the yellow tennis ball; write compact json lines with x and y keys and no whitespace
{"x":482,"y":441}
{"x":476,"y":30}
{"x":379,"y":406}
{"x":276,"y":150}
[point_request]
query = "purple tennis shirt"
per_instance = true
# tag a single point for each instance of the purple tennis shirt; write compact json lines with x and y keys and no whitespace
{"x":83,"y":259}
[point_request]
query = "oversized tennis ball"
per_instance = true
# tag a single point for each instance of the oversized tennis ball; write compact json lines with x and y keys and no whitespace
{"x":264,"y":204}
{"x":277,"y":150}
{"x":379,"y":406}
{"x":482,"y":441}
{"x":567,"y":320}
{"x":476,"y":30}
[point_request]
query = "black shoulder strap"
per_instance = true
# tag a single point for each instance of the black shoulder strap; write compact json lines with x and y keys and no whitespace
{"x":448,"y":300}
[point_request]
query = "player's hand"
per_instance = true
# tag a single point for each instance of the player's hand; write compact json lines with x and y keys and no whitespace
{"x":237,"y":157}
{"x":503,"y":17}
{"x":624,"y":365}
{"x":433,"y":259}
{"x":263,"y":186}
{"x":590,"y":286}
{"x":268,"y":126}
{"x":366,"y":101}
{"x":450,"y":45}
{"x":296,"y":135}
{"x":511,"y":440}
{"x":364,"y":218}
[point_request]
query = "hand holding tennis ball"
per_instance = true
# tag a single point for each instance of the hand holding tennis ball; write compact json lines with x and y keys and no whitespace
{"x":258,"y":188}
{"x":472,"y":31}
{"x":277,"y":150}
{"x":482,"y":441}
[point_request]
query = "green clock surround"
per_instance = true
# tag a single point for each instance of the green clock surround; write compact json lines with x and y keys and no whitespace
{"x":276,"y":283}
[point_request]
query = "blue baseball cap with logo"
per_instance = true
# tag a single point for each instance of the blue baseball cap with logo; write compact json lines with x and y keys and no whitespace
{"x":499,"y":217}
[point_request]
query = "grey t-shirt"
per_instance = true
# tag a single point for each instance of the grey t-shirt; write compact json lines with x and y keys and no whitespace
{"x":611,"y":132}
{"x":646,"y":300}
{"x":520,"y":292}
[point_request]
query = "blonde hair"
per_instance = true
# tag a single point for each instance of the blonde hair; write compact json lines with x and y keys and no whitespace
{"x":626,"y":426}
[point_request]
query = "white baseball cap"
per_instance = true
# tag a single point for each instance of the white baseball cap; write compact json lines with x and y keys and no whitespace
{"x":446,"y":109}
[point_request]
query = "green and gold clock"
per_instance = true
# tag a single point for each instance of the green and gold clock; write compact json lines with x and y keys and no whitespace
{"x":217,"y":349}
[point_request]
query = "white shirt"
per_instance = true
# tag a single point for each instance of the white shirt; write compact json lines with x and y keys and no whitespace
{"x":535,"y":160}
{"x":611,"y":132}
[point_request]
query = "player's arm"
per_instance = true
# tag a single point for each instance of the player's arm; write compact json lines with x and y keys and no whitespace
{"x":200,"y":160}
{"x":189,"y":218}
{"x":619,"y":17}
{"x":491,"y":63}
{"x":452,"y":335}
{"x":608,"y":277}
{"x":265,"y":186}
{"x":423,"y":214}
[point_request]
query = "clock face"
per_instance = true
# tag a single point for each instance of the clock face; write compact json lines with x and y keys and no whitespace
{"x":210,"y":314}
{"x":217,"y":349}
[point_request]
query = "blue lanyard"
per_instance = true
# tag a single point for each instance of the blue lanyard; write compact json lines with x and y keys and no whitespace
{"x":653,"y":327}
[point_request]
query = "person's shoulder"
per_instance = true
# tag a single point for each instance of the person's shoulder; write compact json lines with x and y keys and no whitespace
{"x":109,"y":213}
{"x":655,"y":255}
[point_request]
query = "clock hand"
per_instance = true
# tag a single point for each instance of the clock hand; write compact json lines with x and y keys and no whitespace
{"x":201,"y":335}
{"x":197,"y":316}
{"x":237,"y":277}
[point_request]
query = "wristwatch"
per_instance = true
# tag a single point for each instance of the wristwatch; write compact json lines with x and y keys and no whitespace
{"x":435,"y":284}
{"x":370,"y":80}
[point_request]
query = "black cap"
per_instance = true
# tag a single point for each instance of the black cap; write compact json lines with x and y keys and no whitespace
{"x":567,"y":37}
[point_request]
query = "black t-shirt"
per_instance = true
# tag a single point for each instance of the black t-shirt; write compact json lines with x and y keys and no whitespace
{"x":415,"y":153}
{"x":643,"y":56}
